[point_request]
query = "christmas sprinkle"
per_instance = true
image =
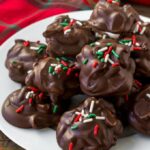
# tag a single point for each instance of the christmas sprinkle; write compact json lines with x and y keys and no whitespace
{"x":20,"y":109}
{"x":55,"y":109}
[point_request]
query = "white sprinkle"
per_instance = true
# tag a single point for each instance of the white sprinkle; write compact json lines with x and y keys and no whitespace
{"x":110,"y":61}
{"x":100,"y":118}
{"x":148,"y":95}
{"x":106,"y":58}
{"x":53,"y":65}
{"x":77,"y":113}
{"x":130,"y":43}
{"x":143,"y":30}
{"x":79,"y":23}
{"x":34,"y":48}
{"x":88,"y":120}
{"x":139,"y":23}
{"x":82,"y":112}
{"x":104,"y":36}
{"x":97,"y":43}
{"x":29,"y":71}
{"x":91,"y":107}
{"x":103,"y":49}
{"x":98,"y":35}
{"x":28,"y":95}
{"x":136,"y":29}
{"x":137,"y":44}
{"x":67,"y":31}
{"x":57,"y":67}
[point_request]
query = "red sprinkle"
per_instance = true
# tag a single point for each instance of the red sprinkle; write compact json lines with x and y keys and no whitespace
{"x":30,"y":100}
{"x":66,"y":28}
{"x":32,"y":89}
{"x":139,"y":29}
{"x":137,"y":48}
{"x":69,"y":71}
{"x":72,"y":22}
{"x":108,"y":51}
{"x":41,"y":95}
{"x":109,"y":1}
{"x":96,"y":129}
{"x":77,"y":118}
{"x":64,"y":63}
{"x":133,"y":39}
{"x":26,"y":43}
{"x":95,"y":63}
{"x":20,"y":109}
{"x":115,"y":65}
{"x":138,"y":83}
{"x":58,"y":70}
{"x":70,"y":146}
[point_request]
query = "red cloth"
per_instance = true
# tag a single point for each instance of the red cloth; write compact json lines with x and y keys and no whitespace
{"x":16,"y":14}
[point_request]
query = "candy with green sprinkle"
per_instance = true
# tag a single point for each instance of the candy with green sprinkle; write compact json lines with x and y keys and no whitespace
{"x":85,"y":61}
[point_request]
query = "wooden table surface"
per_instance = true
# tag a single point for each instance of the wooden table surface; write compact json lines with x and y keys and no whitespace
{"x":6,"y":144}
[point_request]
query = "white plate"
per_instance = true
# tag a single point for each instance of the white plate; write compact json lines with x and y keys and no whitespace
{"x":31,"y":139}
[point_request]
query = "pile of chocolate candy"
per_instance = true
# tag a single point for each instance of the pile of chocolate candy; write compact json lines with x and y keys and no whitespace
{"x":105,"y":59}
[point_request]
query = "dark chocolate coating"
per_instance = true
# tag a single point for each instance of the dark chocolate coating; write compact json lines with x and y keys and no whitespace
{"x":113,"y":18}
{"x":69,"y":44}
{"x":21,"y":57}
{"x":140,"y":114}
{"x":104,"y":79}
{"x":61,"y":83}
{"x":98,"y":134}
{"x":141,"y":56}
{"x":36,"y":113}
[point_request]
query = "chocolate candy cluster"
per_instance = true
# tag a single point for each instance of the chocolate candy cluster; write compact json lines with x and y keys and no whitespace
{"x":106,"y":59}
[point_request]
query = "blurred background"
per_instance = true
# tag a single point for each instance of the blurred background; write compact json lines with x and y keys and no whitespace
{"x":17,"y":14}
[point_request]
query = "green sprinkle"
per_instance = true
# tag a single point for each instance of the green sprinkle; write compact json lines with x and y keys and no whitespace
{"x":54,"y":73}
{"x":55,"y":109}
{"x":50,"y":69}
{"x":115,"y":54}
{"x":39,"y":51}
{"x":14,"y":62}
{"x":42,"y":46}
{"x":109,"y":44}
{"x":92,"y":44}
{"x":65,"y":68}
{"x":124,"y":41}
{"x":99,"y":53}
{"x":102,"y":60}
{"x":74,"y":127}
{"x":66,"y":20}
{"x":85,"y":61}
{"x":64,"y":24}
{"x":91,"y":116}
{"x":57,"y":58}
{"x":99,"y":57}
